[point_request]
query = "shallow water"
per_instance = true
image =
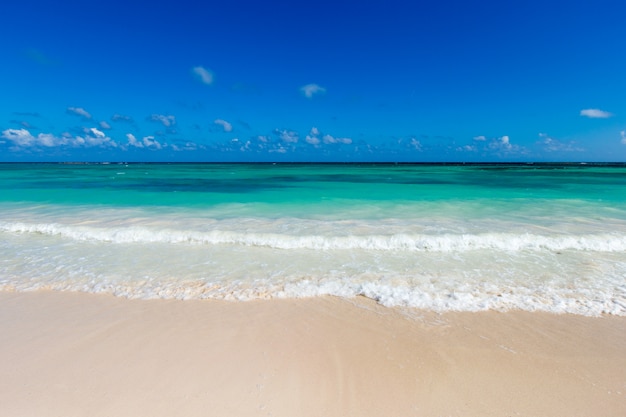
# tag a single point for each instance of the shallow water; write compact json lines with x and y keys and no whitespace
{"x":439,"y":237}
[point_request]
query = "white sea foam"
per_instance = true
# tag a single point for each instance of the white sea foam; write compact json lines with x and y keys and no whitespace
{"x":193,"y":258}
{"x":605,"y":242}
{"x":440,"y":298}
{"x":498,"y":271}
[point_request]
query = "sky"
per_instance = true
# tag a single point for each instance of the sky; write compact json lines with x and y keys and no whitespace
{"x":328,"y":81}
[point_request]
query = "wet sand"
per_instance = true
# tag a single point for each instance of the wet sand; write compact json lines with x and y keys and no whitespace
{"x":70,"y":354}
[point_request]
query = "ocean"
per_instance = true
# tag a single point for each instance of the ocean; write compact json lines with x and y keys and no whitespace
{"x":533,"y":237}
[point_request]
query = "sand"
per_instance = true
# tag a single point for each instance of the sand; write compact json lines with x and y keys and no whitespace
{"x":68,"y":354}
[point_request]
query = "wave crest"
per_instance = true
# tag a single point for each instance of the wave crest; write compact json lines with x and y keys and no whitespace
{"x":396,"y":242}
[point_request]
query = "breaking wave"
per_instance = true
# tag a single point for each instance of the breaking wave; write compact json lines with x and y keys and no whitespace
{"x":606,"y":242}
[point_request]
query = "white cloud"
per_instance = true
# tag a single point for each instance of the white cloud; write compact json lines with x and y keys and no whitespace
{"x":416,"y":144}
{"x":146,"y":142}
{"x":246,"y":146}
{"x":203,"y":74}
{"x":188,"y":146}
{"x":328,"y":139}
{"x":96,"y":138}
{"x":225,"y":125}
{"x":553,"y":145}
{"x":235,"y":142}
{"x":623,"y":134}
{"x":104,"y":125}
{"x":279,"y":149}
{"x":263,"y":139}
{"x":503,"y":144}
{"x":121,"y":118}
{"x":79,"y":111}
{"x":97,"y":133}
{"x":312,"y":138}
{"x":22,"y":138}
{"x":595,"y":113}
{"x":288,"y":136}
{"x":49,"y":140}
{"x":150,"y":142}
{"x":310,"y":90}
{"x":166,"y":120}
{"x":480,"y":138}
{"x":412,"y":144}
{"x":132,"y":141}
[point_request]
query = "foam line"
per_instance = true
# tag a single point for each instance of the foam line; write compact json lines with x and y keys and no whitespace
{"x":397,"y":242}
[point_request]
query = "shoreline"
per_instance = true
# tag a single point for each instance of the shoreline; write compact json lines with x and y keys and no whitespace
{"x":75,"y":354}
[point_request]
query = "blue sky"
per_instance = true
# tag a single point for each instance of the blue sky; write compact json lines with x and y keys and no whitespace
{"x":316,"y":81}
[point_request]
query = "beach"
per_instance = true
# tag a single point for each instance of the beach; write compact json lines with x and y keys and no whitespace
{"x":312,"y":290}
{"x":75,"y":354}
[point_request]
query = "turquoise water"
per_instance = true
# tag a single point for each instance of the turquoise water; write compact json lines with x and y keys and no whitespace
{"x":438,"y":237}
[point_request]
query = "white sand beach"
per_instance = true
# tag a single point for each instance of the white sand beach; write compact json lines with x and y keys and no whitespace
{"x":74,"y":354}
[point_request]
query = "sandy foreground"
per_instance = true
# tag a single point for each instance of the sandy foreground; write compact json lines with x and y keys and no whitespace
{"x":67,"y":354}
